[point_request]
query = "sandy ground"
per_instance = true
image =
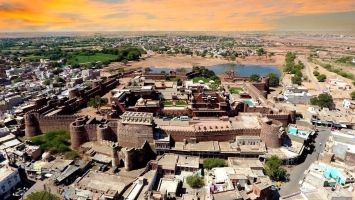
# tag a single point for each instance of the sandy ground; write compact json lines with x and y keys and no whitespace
{"x":185,"y":61}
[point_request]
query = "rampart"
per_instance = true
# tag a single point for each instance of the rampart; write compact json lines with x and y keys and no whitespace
{"x":208,"y":135}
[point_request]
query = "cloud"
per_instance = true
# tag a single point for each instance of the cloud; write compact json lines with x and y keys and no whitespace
{"x":163,"y":15}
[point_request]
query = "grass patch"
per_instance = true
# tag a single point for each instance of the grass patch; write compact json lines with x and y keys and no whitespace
{"x":55,"y":142}
{"x":205,"y":80}
{"x":168,"y":103}
{"x":94,"y":58}
{"x":235,"y":90}
{"x":180,"y":103}
{"x":213,"y":87}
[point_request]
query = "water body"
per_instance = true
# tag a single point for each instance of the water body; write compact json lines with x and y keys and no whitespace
{"x":244,"y":70}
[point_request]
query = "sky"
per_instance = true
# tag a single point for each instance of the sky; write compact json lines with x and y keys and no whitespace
{"x":177,"y":15}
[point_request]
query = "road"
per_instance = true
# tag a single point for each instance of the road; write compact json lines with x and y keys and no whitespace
{"x":297,"y":172}
{"x":310,"y":73}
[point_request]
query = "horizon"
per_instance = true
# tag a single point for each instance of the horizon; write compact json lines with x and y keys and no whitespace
{"x":176,"y":16}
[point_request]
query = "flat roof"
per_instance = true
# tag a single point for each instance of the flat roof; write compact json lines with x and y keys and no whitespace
{"x":168,"y":185}
{"x":189,"y":161}
{"x":5,"y":172}
{"x":245,"y":162}
{"x":104,"y":182}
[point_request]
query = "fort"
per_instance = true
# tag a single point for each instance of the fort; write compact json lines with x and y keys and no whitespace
{"x":137,"y":135}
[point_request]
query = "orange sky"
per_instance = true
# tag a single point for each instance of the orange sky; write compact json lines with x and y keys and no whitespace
{"x":166,"y":15}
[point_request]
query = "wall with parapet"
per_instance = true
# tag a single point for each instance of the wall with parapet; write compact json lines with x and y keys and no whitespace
{"x":209,"y":135}
{"x":134,"y":135}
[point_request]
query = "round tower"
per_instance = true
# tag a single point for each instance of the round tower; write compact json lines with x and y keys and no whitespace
{"x":32,"y":125}
{"x":129,"y":156}
{"x":73,"y":93}
{"x":115,"y":157}
{"x":292,"y":116}
{"x":78,"y":134}
{"x":270,"y":133}
{"x":103,"y":132}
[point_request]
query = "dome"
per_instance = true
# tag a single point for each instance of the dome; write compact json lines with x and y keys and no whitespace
{"x":46,"y":155}
{"x":141,"y":100}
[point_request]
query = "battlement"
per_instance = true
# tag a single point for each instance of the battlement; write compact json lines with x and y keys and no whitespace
{"x":108,"y":143}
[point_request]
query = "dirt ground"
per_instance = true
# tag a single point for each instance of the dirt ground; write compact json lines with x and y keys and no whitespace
{"x":185,"y":61}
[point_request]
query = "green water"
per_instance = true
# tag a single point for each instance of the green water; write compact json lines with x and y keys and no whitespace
{"x":249,"y":102}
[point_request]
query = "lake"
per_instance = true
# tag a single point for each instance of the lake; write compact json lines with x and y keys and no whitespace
{"x":244,"y":70}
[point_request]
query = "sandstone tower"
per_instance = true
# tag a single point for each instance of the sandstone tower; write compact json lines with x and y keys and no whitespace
{"x":115,"y":157}
{"x":32,"y":125}
{"x":271,"y":133}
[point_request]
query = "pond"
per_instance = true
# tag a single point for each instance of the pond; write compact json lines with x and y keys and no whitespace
{"x":244,"y":70}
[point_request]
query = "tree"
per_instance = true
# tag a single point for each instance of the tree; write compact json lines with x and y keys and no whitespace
{"x":273,"y":169}
{"x":316,"y":73}
{"x":147,"y":69}
{"x":274,"y":79}
{"x":181,"y":70}
{"x":213,"y":162}
{"x":42,"y":195}
{"x":352,"y":95}
{"x":296,"y":80}
{"x":125,"y":61}
{"x":162,"y":72}
{"x":46,"y":82}
{"x":254,"y":77}
{"x":97,"y":102}
{"x":166,"y":77}
{"x":16,"y":80}
{"x":260,"y":52}
{"x":178,"y":80}
{"x":195,"y":181}
{"x":321,"y":78}
{"x":232,"y":57}
{"x":323,"y":101}
{"x":60,"y":80}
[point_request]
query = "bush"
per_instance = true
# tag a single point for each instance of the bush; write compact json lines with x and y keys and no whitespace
{"x":254,"y":77}
{"x":352,"y":95}
{"x":195,"y":181}
{"x":316,"y":73}
{"x":213,"y":162}
{"x":42,"y":195}
{"x":321,"y":78}
{"x":323,"y":101}
{"x":296,"y":80}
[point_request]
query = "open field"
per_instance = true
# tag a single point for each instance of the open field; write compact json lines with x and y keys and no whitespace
{"x":95,"y":58}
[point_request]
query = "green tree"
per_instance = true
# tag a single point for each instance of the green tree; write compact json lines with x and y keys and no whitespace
{"x":298,"y":73}
{"x":213,"y":162}
{"x":296,"y":80}
{"x":60,"y":80}
{"x":321,"y":78}
{"x":16,"y":80}
{"x":166,"y":77}
{"x":274,"y":79}
{"x":147,"y":69}
{"x":195,"y":181}
{"x":254,"y":77}
{"x":273,"y":169}
{"x":162,"y":72}
{"x":178,"y":80}
{"x":97,"y":102}
{"x":42,"y":195}
{"x":323,"y":101}
{"x":352,"y":95}
{"x":232,"y":57}
{"x":260,"y":52}
{"x":316,"y":73}
{"x":46,"y":82}
{"x":181,"y":70}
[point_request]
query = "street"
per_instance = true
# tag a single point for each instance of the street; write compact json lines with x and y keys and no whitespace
{"x":297,"y":172}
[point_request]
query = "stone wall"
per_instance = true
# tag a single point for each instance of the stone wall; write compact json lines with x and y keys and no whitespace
{"x":209,"y":135}
{"x":134,"y":135}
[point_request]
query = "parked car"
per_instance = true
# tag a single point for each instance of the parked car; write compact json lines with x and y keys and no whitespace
{"x":166,"y":119}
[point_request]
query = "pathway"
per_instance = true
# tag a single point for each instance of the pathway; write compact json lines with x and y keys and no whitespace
{"x":310,"y":73}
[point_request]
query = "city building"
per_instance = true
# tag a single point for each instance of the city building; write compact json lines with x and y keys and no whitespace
{"x":9,"y":179}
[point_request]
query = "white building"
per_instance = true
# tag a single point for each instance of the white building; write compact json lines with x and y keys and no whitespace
{"x":348,"y":103}
{"x":9,"y":178}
